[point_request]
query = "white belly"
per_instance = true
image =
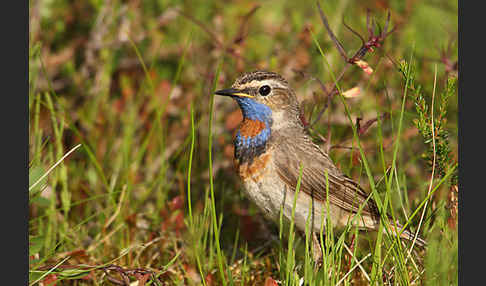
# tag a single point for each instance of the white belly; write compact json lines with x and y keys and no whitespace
{"x":264,"y":187}
{"x":271,"y":195}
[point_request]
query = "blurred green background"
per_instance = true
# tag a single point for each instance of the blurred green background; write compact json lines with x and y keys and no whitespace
{"x":121,"y":78}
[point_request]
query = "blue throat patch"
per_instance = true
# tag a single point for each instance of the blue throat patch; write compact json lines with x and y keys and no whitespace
{"x":259,"y":116}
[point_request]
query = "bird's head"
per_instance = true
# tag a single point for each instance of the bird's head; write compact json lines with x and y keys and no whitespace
{"x":266,"y":97}
{"x":268,"y":104}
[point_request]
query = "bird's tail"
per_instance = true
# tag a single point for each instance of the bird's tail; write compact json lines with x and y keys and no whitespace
{"x":405,"y":234}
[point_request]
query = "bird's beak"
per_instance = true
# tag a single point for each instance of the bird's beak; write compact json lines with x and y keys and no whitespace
{"x":232,"y":92}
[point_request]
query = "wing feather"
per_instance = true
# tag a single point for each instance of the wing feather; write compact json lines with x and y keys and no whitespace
{"x":343,"y":192}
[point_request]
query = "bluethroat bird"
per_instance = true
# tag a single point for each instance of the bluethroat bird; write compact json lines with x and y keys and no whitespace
{"x":272,"y":147}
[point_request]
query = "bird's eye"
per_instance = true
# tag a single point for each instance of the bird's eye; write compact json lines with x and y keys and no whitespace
{"x":264,"y":90}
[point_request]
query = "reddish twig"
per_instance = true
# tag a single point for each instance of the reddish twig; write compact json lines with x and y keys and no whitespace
{"x":331,"y":34}
{"x":375,"y":40}
{"x":309,"y":76}
{"x":351,"y":248}
{"x":203,"y":27}
{"x":243,"y":31}
{"x":362,"y":129}
{"x":139,"y":273}
{"x":238,"y":38}
{"x":363,"y":42}
{"x":344,"y":147}
{"x":330,"y":95}
{"x":445,"y":58}
{"x":450,"y":65}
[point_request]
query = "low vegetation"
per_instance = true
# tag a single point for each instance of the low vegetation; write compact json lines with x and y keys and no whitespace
{"x":130,"y":153}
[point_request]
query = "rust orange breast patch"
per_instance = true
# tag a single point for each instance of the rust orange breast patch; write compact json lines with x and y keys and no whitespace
{"x":255,"y":170}
{"x":251,"y":128}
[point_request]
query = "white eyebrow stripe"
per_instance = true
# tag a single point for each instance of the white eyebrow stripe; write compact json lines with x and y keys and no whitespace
{"x":257,"y":83}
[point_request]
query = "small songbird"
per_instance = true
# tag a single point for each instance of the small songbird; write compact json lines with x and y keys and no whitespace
{"x":272,"y":147}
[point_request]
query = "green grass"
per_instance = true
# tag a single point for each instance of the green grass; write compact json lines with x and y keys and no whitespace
{"x":131,"y":154}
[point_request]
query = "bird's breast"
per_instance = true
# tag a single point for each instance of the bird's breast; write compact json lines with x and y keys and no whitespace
{"x":261,"y":184}
{"x":251,"y":128}
{"x":254,"y":169}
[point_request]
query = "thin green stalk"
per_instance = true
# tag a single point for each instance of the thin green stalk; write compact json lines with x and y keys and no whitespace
{"x":37,"y":132}
{"x":189,"y":168}
{"x":323,"y":229}
{"x":140,"y":58}
{"x":243,"y":271}
{"x":308,"y":271}
{"x":280,"y":236}
{"x":290,"y":246}
{"x":211,"y":183}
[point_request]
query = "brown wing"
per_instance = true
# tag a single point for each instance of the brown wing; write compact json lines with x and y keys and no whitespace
{"x":343,"y":192}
